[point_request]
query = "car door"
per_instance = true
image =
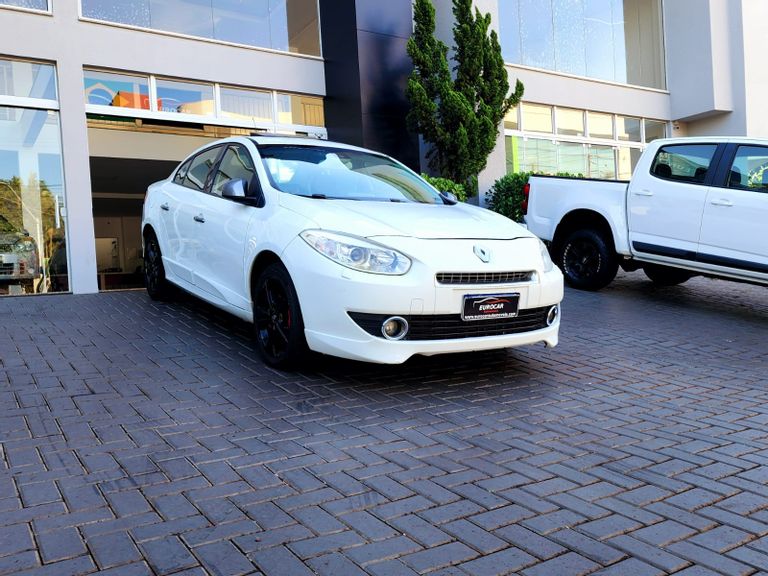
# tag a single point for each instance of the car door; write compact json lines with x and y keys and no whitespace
{"x":736,"y":212}
{"x":186,"y":211}
{"x":219,"y":266}
{"x":665,"y":206}
{"x":171,"y":194}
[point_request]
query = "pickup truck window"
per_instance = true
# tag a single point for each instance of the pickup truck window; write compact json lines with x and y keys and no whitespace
{"x":683,"y":162}
{"x":750,"y":169}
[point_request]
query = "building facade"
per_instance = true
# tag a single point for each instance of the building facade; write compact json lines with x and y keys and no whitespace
{"x":99,"y":98}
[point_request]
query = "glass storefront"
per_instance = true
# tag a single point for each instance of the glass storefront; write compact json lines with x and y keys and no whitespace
{"x":33,"y":254}
{"x":615,"y":40}
{"x":287,"y":25}
{"x":551,"y":139}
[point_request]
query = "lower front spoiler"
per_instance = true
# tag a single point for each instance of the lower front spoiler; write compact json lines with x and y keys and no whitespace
{"x":381,"y":351}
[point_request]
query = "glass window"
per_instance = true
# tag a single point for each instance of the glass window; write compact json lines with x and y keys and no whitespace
{"x":295,"y":109}
{"x":537,"y":117}
{"x":249,"y":105}
{"x":511,"y":121}
{"x":235,"y":164}
{"x":654,"y":130}
{"x":340,"y":173}
{"x":536,"y":34}
{"x":628,"y":129}
{"x":572,"y":158}
{"x":119,"y":90}
{"x":683,"y":162}
{"x":628,"y":158}
{"x":615,"y":40}
{"x":539,"y":156}
{"x":27,"y":79}
{"x":750,"y":169}
{"x":197,"y":175}
{"x":33,"y":254}
{"x":185,"y":97}
{"x":32,"y":4}
{"x":570,"y":122}
{"x":600,"y":125}
{"x":289,"y":25}
{"x":181,"y":173}
{"x":602,"y":162}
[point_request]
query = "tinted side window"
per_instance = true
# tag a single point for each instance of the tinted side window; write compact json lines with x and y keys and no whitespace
{"x":201,"y":165}
{"x":236,"y":163}
{"x":750,"y":169}
{"x":181,"y":172}
{"x":683,"y":162}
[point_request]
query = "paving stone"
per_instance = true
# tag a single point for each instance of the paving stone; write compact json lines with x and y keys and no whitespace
{"x":60,"y":545}
{"x":113,"y":549}
{"x":439,"y":557}
{"x":504,"y":562}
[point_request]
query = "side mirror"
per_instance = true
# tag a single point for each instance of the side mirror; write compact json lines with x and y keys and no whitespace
{"x":449,"y":198}
{"x":234,"y":189}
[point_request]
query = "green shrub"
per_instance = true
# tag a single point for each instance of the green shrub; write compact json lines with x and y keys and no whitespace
{"x":506,"y":195}
{"x":447,"y":185}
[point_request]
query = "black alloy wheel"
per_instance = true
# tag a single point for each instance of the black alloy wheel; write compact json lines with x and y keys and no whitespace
{"x":157,"y":286}
{"x":587,"y":260}
{"x":277,"y":319}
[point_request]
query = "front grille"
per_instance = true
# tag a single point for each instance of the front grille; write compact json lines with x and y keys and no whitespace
{"x":6,"y":269}
{"x":452,"y":327}
{"x":6,"y":247}
{"x":483,"y":277}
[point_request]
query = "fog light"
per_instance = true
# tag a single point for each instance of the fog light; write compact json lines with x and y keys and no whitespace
{"x":394,"y":328}
{"x":553,"y":314}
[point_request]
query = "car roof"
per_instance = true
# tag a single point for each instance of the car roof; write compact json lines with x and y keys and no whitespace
{"x":282,"y":139}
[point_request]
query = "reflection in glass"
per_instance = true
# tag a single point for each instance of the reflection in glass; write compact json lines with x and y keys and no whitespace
{"x":289,"y":25}
{"x":536,"y":34}
{"x":185,"y":97}
{"x":602,"y":162}
{"x":32,"y":227}
{"x":570,"y":122}
{"x":537,"y":117}
{"x":119,"y":90}
{"x":600,"y":125}
{"x":654,"y":129}
{"x":250,"y":105}
{"x":509,"y":25}
{"x":628,"y":158}
{"x":131,"y":12}
{"x":511,"y":121}
{"x":33,"y":4}
{"x":539,"y":156}
{"x":569,"y":36}
{"x":27,"y":79}
{"x":628,"y":129}
{"x":599,"y":44}
{"x":295,"y":109}
{"x":572,"y":158}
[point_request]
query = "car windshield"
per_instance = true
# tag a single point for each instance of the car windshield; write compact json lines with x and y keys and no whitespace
{"x":337,"y":173}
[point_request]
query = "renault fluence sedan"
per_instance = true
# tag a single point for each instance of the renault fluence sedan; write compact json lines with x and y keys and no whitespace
{"x":344,"y":251}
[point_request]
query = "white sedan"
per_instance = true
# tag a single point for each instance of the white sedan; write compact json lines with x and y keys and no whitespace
{"x":344,"y":251}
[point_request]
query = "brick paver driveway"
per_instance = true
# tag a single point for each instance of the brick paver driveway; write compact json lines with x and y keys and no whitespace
{"x":140,"y":438}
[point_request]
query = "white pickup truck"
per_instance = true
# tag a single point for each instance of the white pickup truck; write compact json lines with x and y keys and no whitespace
{"x":694,"y":206}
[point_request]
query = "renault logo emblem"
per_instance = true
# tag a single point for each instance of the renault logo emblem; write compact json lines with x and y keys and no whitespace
{"x":483,"y":253}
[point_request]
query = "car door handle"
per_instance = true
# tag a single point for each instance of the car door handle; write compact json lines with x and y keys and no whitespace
{"x":199,"y":218}
{"x":165,"y":206}
{"x":721,"y":202}
{"x":643,"y":193}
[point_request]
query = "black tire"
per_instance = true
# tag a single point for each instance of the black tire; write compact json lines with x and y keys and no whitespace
{"x":587,"y":259}
{"x":277,"y":321}
{"x":666,"y":275}
{"x":157,"y":286}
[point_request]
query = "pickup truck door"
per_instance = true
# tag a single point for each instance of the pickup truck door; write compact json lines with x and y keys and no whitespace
{"x":665,"y":206}
{"x":736,"y":212}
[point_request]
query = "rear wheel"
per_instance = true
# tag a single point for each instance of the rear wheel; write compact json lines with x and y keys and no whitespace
{"x":277,"y":320}
{"x":158,"y":287}
{"x":666,"y":275}
{"x":587,"y":260}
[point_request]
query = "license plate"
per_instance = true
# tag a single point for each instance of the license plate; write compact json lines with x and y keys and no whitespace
{"x":490,"y":306}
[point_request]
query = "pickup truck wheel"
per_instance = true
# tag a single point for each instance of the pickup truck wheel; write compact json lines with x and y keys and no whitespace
{"x":666,"y":275}
{"x":277,"y":319}
{"x":586,"y":259}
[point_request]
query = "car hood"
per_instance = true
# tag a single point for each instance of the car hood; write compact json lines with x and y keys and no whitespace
{"x":428,"y":221}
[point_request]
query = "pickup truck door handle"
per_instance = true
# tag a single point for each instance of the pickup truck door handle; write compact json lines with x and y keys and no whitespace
{"x":721,"y":202}
{"x":643,"y":193}
{"x":165,"y":206}
{"x":199,"y":218}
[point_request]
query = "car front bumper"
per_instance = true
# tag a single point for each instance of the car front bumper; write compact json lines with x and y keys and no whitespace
{"x":328,"y":293}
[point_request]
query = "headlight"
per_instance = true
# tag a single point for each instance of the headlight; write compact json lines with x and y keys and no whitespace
{"x":357,"y":253}
{"x":24,"y":245}
{"x":548,"y":264}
